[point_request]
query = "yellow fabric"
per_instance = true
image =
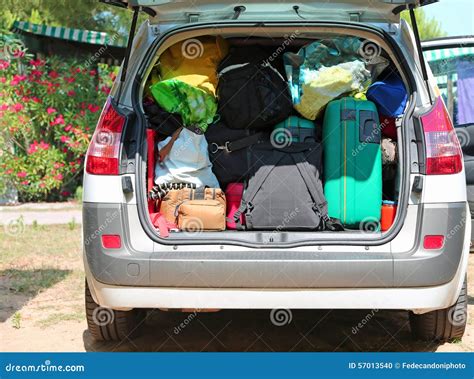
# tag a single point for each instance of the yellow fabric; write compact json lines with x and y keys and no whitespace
{"x":328,"y":85}
{"x":194,"y":62}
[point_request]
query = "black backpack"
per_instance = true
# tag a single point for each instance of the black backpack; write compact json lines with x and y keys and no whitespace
{"x":285,"y":192}
{"x":252,"y":93}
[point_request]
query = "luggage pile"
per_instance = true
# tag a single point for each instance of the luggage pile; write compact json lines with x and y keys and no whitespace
{"x":305,"y":143}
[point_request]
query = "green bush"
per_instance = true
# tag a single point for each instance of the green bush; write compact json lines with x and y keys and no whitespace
{"x":48,"y":112}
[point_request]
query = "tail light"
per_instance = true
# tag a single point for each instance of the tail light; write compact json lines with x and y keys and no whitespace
{"x":443,"y":151}
{"x":104,"y":149}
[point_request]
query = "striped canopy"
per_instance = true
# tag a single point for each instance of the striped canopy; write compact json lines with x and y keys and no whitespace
{"x":441,"y":54}
{"x":76,"y":35}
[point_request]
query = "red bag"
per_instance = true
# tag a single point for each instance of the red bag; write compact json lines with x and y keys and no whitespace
{"x":389,"y":127}
{"x":233,"y":195}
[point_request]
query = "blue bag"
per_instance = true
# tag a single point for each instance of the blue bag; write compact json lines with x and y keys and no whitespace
{"x":390,"y":96}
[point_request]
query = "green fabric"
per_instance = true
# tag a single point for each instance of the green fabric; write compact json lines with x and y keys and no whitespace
{"x":352,"y":169}
{"x":196,"y":107}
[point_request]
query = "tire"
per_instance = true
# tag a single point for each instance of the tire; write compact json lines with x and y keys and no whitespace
{"x":443,"y":325}
{"x":106,"y":324}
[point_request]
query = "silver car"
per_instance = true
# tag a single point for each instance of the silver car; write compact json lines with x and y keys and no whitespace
{"x":418,"y":265}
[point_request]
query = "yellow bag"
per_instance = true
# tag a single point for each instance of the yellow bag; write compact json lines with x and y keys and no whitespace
{"x":194,"y":61}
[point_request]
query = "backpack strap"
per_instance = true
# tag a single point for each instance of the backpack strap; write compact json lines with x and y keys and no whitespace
{"x":244,"y":142}
{"x":253,"y":189}
{"x":231,"y":146}
{"x":317,"y":193}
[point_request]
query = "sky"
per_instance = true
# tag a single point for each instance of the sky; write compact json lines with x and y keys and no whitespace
{"x":456,"y":16}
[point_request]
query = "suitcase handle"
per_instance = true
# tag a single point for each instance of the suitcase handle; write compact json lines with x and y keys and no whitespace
{"x":369,"y":127}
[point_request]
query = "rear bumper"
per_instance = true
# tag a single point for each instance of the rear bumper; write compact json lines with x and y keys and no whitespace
{"x":403,"y":263}
{"x":419,"y":300}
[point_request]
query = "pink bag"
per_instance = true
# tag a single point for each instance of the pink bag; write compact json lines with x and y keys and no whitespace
{"x":233,"y":195}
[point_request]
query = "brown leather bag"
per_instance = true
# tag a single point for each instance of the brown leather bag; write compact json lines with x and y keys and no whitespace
{"x":175,"y":198}
{"x":201,"y":215}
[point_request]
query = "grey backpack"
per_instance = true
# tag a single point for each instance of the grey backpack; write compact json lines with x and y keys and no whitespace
{"x":285,"y":192}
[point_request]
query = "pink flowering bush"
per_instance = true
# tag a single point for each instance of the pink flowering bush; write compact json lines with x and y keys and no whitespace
{"x":48,"y":112}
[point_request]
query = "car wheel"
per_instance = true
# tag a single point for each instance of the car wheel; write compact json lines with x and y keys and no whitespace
{"x":106,"y":324}
{"x":444,"y":325}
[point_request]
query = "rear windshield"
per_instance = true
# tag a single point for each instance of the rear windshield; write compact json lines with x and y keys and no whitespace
{"x":453,"y":69}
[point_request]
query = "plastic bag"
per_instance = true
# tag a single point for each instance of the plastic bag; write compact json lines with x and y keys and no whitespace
{"x":322,"y":86}
{"x":187,"y":162}
{"x":196,"y":107}
{"x":342,"y":56}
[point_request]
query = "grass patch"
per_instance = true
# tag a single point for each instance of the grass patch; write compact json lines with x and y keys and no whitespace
{"x":40,"y":245}
{"x":57,"y":318}
{"x":16,"y":320}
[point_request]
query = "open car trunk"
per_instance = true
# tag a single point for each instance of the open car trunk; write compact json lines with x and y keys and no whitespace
{"x":281,"y":39}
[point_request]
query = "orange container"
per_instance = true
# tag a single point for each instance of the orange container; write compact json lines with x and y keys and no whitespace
{"x":389,"y":212}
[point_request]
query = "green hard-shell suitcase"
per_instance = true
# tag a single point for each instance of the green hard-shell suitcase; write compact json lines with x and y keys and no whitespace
{"x":353,"y":163}
{"x":295,"y":129}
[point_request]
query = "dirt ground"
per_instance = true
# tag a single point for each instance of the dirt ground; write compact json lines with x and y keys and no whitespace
{"x":41,"y":309}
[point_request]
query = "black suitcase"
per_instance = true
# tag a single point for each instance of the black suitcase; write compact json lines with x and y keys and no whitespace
{"x":229,"y":151}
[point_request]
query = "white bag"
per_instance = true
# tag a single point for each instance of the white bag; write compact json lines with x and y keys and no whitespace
{"x":187,"y":162}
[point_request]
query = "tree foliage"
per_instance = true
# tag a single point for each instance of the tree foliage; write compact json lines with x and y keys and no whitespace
{"x":428,"y":27}
{"x":81,"y":14}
